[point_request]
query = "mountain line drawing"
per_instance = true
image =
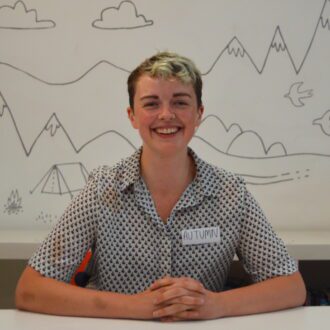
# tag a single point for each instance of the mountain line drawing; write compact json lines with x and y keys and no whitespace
{"x":234,"y":47}
{"x":236,"y":139}
{"x":94,"y":67}
{"x":52,"y":126}
{"x":277,"y":44}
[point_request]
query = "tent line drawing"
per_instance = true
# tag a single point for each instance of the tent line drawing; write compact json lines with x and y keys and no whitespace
{"x":64,"y":178}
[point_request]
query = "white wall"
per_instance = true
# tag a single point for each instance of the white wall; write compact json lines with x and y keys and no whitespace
{"x":63,"y":97}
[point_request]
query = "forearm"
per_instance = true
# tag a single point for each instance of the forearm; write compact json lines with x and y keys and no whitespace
{"x":44,"y":295}
{"x":273,"y":294}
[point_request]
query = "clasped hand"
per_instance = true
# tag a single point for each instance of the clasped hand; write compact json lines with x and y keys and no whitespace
{"x":183,"y":298}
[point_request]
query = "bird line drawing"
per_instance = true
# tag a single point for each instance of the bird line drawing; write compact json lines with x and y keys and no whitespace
{"x":324,"y":122}
{"x":296,"y":95}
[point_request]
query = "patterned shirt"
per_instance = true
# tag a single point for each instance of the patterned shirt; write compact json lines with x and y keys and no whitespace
{"x":132,"y":247}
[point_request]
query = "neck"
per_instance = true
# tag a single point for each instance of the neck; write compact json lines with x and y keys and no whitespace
{"x":167,"y":173}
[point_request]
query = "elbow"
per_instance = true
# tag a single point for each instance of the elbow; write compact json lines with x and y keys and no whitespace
{"x":23,"y":297}
{"x":302,"y":296}
{"x":300,"y":290}
{"x":19,"y":301}
{"x":25,"y":293}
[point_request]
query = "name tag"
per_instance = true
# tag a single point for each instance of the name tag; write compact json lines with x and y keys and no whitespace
{"x":200,"y":236}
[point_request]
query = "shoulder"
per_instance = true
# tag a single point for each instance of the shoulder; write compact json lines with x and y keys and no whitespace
{"x":217,"y":180}
{"x":118,"y":176}
{"x":104,"y":173}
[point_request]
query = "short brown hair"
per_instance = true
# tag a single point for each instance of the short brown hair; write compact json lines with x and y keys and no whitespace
{"x":167,"y":65}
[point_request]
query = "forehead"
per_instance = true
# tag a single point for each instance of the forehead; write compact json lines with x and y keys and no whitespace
{"x":161,"y":86}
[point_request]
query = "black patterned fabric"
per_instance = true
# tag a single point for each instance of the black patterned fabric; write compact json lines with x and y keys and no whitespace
{"x":116,"y":217}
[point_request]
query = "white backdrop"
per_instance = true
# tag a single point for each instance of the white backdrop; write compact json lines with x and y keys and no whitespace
{"x":63,"y":71}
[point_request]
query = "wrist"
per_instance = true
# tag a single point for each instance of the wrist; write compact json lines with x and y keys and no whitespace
{"x":220,"y":305}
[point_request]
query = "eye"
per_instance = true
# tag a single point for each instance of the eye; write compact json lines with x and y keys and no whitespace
{"x":150,"y":105}
{"x":181,"y":103}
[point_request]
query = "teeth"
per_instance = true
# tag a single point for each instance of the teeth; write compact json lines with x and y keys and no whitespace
{"x":167,"y":130}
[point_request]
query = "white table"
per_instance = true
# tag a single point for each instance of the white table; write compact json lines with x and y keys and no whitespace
{"x":302,"y":318}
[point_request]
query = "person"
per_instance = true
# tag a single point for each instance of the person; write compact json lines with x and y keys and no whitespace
{"x":163,"y":225}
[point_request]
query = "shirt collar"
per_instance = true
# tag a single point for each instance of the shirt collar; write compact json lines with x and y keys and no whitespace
{"x":206,"y":183}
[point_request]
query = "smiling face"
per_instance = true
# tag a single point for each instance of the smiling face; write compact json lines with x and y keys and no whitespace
{"x":165,"y":113}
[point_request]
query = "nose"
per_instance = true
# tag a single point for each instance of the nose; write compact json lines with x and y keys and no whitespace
{"x":166,"y":113}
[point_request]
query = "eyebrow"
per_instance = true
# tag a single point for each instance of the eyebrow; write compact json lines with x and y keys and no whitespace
{"x":155,"y":97}
{"x":181,"y":94}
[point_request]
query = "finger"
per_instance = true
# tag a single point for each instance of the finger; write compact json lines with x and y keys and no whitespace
{"x":165,"y":281}
{"x":170,"y":319}
{"x":182,"y":316}
{"x":179,"y":295}
{"x":188,"y":284}
{"x":187,"y":315}
{"x":191,"y":284}
{"x":185,"y":300}
{"x":169,"y":310}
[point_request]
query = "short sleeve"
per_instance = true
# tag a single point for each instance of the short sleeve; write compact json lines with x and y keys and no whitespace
{"x":63,"y":250}
{"x":261,"y":251}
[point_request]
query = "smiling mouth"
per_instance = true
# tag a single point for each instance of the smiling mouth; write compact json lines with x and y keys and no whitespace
{"x":167,"y":131}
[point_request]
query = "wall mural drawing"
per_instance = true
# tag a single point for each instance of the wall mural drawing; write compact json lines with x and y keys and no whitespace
{"x":324,"y":122}
{"x":18,"y":17}
{"x":62,"y":179}
{"x":62,"y":104}
{"x":123,"y":17}
{"x":296,"y":95}
{"x":14,"y":203}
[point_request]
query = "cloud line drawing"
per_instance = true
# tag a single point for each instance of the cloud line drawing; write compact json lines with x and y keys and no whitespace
{"x":123,"y":17}
{"x":296,"y":95}
{"x":18,"y":17}
{"x":324,"y":122}
{"x":58,"y":180}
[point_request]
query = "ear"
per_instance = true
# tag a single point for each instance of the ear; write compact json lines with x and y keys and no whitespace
{"x":200,"y":115}
{"x":131,"y":117}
